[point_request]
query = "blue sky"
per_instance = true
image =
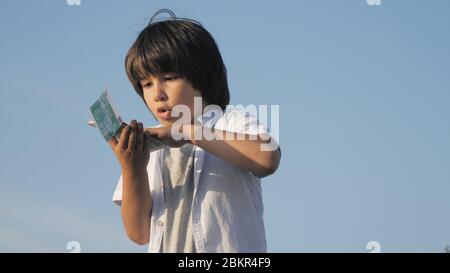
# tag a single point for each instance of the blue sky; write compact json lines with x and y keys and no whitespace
{"x":364,"y":94}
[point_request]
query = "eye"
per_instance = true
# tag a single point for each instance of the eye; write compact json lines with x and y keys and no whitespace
{"x":147,"y":85}
{"x":170,"y":78}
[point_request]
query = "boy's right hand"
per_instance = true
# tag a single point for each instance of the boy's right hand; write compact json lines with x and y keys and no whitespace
{"x":130,"y":150}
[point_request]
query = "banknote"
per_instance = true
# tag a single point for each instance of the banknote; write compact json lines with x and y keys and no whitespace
{"x":108,"y":121}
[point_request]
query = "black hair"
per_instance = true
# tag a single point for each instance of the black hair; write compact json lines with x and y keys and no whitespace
{"x":181,"y":46}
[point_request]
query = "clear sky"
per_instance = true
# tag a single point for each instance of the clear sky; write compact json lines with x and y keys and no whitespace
{"x":364,"y":95}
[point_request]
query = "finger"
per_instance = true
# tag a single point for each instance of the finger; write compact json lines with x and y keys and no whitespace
{"x":123,"y":141}
{"x":154,"y":132}
{"x":132,"y":138}
{"x":113,"y":142}
{"x":147,"y":137}
{"x":140,"y":137}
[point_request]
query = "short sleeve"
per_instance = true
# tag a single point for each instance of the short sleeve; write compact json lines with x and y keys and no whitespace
{"x":245,"y":122}
{"x":117,"y":196}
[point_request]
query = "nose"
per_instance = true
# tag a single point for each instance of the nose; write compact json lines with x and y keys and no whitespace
{"x":159,"y":94}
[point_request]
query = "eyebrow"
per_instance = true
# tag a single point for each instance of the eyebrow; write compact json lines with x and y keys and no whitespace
{"x":149,"y":78}
{"x":146,"y":80}
{"x":143,"y":81}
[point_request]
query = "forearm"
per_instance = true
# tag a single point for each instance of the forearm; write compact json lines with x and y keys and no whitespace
{"x":238,"y":149}
{"x":136,"y":206}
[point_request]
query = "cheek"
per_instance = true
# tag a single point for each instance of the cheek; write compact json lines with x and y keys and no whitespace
{"x":188,"y":99}
{"x":148,"y":101}
{"x":146,"y":95}
{"x":188,"y":96}
{"x":179,"y":96}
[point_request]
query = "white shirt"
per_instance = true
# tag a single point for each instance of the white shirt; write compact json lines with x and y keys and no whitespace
{"x":227,"y":209}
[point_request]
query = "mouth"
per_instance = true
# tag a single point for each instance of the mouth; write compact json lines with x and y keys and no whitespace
{"x":164,"y":113}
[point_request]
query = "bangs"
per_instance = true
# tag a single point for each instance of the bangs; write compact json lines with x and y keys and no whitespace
{"x":183,"y":47}
{"x":135,"y":69}
{"x":151,"y":55}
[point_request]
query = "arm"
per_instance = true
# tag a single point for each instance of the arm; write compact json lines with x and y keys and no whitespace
{"x":136,"y":206}
{"x":136,"y":198}
{"x":246,"y":153}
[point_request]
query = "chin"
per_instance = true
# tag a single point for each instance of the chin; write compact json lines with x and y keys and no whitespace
{"x":166,"y":122}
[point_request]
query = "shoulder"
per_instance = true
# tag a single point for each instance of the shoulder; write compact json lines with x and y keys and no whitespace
{"x":241,"y":121}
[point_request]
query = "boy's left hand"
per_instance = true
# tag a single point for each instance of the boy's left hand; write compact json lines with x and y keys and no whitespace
{"x":165,"y":135}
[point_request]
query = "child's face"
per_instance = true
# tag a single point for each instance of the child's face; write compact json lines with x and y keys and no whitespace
{"x":163,"y":91}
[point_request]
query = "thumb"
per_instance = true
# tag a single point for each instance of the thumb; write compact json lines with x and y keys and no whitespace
{"x":154,"y":132}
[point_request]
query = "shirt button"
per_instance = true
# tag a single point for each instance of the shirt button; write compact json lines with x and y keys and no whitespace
{"x":160,"y":223}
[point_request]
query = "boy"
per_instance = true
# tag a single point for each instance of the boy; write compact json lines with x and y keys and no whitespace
{"x":196,"y":194}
